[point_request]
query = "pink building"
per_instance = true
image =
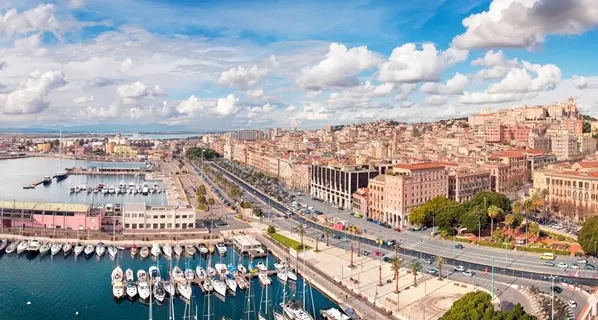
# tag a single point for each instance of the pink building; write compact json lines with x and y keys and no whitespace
{"x":495,"y":133}
{"x":17,"y":214}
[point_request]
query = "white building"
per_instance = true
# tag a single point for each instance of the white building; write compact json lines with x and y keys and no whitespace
{"x":139,"y":216}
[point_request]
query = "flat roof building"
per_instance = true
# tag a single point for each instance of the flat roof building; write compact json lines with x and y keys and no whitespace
{"x":140,"y":217}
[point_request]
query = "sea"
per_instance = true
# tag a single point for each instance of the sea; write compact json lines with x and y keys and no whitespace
{"x":34,"y":287}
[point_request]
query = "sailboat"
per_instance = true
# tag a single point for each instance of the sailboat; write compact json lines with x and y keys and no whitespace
{"x":184,"y":289}
{"x":294,"y":310}
{"x":142,"y":287}
{"x":61,"y":175}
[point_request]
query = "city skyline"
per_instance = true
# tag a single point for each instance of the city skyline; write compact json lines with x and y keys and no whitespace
{"x":202,"y":66}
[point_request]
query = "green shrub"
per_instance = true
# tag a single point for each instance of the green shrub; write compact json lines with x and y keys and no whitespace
{"x":271,"y":229}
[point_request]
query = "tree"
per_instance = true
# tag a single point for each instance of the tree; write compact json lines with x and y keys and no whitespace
{"x":235,"y":192}
{"x":201,"y":190}
{"x":271,"y":229}
{"x":510,"y":221}
{"x":395,"y":266}
{"x":422,"y":215}
{"x":201,"y":199}
{"x":447,"y":216}
{"x":491,"y":198}
{"x":493,"y":213}
{"x":211,"y":202}
{"x":474,"y":219}
{"x":439,"y":263}
{"x":327,"y":233}
{"x":257,"y":211}
{"x":416,"y":266}
{"x":588,"y":236}
{"x":301,"y":232}
{"x":477,"y":305}
{"x":534,"y":229}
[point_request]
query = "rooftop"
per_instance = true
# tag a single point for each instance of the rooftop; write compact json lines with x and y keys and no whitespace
{"x":422,"y":166}
{"x":44,"y":206}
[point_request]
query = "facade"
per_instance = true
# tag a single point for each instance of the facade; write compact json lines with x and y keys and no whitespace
{"x":586,"y":144}
{"x":495,"y":133}
{"x":464,"y":183}
{"x":110,"y":148}
{"x":538,"y":142}
{"x":249,"y":135}
{"x":360,"y":202}
{"x":140,"y":217}
{"x":574,"y":192}
{"x":564,"y":147}
{"x":44,"y":147}
{"x":18,"y":214}
{"x":336,"y":184}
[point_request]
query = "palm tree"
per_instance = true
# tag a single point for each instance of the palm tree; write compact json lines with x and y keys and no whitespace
{"x":301,"y":232}
{"x":211,"y":202}
{"x":439,"y":263}
{"x":327,"y":233}
{"x":395,"y":266}
{"x":416,"y":266}
{"x":509,"y":220}
{"x":493,"y":213}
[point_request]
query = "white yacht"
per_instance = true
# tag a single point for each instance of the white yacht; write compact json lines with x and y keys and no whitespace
{"x":203,"y":249}
{"x":47,"y":179}
{"x":264,"y":279}
{"x":231,"y":284}
{"x":34,"y":245}
{"x":44,"y":249}
{"x":221,"y":249}
{"x":12,"y":247}
{"x":261,"y":266}
{"x":144,"y":191}
{"x":279,"y":266}
{"x":131,"y":290}
{"x":104,"y":191}
{"x":89,"y":250}
{"x":177,"y":274}
{"x":241,"y":268}
{"x":141,"y":275}
{"x":169,"y":288}
{"x":190,"y":250}
{"x":184,"y":289}
{"x":291,"y":274}
{"x":221,"y":268}
{"x":111,"y":189}
{"x":159,"y":292}
{"x":219,"y":286}
{"x":201,"y":273}
{"x":282,"y":275}
{"x":100,"y":249}
{"x":134,"y":251}
{"x":178,"y":250}
{"x":78,"y":249}
{"x":207,"y":285}
{"x":143,"y":290}
{"x":66,"y":248}
{"x":167,"y":249}
{"x":294,"y":311}
{"x":56,"y":247}
{"x":129,"y":275}
{"x":144,"y":252}
{"x":118,"y":289}
{"x":112,"y":251}
{"x":189,"y":274}
{"x":156,"y":250}
{"x":117,"y":274}
{"x":22,"y":247}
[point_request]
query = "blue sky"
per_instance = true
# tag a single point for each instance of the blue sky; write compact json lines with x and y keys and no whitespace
{"x":235,"y":64}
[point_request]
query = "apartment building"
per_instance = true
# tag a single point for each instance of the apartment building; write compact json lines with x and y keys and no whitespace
{"x":495,"y":133}
{"x":586,"y":145}
{"x":464,"y":182}
{"x":336,"y":184}
{"x":141,"y":217}
{"x":249,"y":135}
{"x":564,"y":147}
{"x":240,"y":153}
{"x":360,"y":201}
{"x":405,"y":187}
{"x":579,"y":189}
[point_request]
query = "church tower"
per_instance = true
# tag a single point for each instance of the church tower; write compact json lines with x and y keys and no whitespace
{"x":572,"y":109}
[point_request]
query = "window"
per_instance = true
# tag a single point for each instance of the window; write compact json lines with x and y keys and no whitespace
{"x":155,"y":226}
{"x":126,"y":226}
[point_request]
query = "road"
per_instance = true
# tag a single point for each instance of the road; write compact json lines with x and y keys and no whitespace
{"x":518,"y":264}
{"x":504,"y":279}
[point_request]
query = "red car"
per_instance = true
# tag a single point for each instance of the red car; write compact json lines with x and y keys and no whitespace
{"x":397,"y":229}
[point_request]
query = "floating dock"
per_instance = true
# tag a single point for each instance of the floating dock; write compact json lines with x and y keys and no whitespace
{"x":35,"y":184}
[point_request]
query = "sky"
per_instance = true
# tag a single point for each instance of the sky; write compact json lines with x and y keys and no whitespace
{"x":206,"y":65}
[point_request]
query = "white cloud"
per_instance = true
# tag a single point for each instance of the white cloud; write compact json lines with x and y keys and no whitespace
{"x":455,"y":85}
{"x":582,"y":83}
{"x":260,"y":111}
{"x":192,"y":106}
{"x":341,"y":68}
{"x":76,"y":3}
{"x":40,"y":18}
{"x":157,"y":92}
{"x":241,"y":77}
{"x":30,"y":97}
{"x":31,"y":45}
{"x":519,"y":80}
{"x":494,"y":58}
{"x":408,"y":64}
{"x":132,"y":92}
{"x":227,"y":106}
{"x":405,"y":90}
{"x":127,"y":65}
{"x":83,"y":100}
{"x":436,"y":100}
{"x":291,"y":108}
{"x":492,"y":98}
{"x":406,"y":104}
{"x":526,"y":23}
{"x":359,"y":96}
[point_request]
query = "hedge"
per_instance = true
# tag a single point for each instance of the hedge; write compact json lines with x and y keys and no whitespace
{"x":543,"y":250}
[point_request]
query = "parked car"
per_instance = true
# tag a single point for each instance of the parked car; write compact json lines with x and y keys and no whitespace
{"x":589,"y":266}
{"x":468,"y":273}
{"x":397,"y":229}
{"x":572,"y":303}
{"x":336,"y":236}
{"x":432,"y":270}
{"x":581,"y":261}
{"x":556,"y":289}
{"x":562,"y":265}
{"x":575,"y":266}
{"x":459,"y":268}
{"x":459,"y":246}
{"x":549,"y":263}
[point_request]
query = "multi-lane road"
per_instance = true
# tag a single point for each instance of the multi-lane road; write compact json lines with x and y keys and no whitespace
{"x":517,"y":264}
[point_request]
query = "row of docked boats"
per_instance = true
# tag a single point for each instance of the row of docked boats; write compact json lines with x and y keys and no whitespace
{"x":122,"y":188}
{"x":43,"y":248}
{"x":168,"y":250}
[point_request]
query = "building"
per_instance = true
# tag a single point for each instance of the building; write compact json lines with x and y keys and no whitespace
{"x":465,"y":182}
{"x":246,"y":243}
{"x":360,"y":202}
{"x":336,"y":184}
{"x":44,"y":147}
{"x":571,"y":192}
{"x":17,"y":214}
{"x":538,"y":142}
{"x":586,"y":145}
{"x":141,"y":217}
{"x":249,"y":135}
{"x":495,"y":133}
{"x":110,"y":148}
{"x":119,"y":140}
{"x":124,"y":150}
{"x":564,"y":147}
{"x":509,"y":169}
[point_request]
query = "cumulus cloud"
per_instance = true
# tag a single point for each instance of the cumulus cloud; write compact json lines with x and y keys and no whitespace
{"x":341,"y":68}
{"x":227,"y":106}
{"x":405,"y":90}
{"x":83,"y":100}
{"x":359,"y":97}
{"x":40,"y":18}
{"x":408,"y":64}
{"x":127,"y":65}
{"x":257,"y":111}
{"x":30,"y":97}
{"x":132,"y":92}
{"x":455,"y":85}
{"x":31,"y":45}
{"x":76,"y":3}
{"x":241,"y":77}
{"x":490,"y":98}
{"x":259,"y":95}
{"x":192,"y":106}
{"x":291,"y":108}
{"x":526,"y":23}
{"x":582,"y":83}
{"x":436,"y":100}
{"x":494,"y":58}
{"x":519,"y":80}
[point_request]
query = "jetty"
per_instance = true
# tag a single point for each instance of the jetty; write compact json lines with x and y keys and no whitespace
{"x":36,"y":183}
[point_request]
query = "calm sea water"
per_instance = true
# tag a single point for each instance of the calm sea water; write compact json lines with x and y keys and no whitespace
{"x":17,"y":173}
{"x":59,"y":287}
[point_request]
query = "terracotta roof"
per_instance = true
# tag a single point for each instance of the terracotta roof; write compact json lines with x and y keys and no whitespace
{"x":588,"y":164}
{"x":421,"y":166}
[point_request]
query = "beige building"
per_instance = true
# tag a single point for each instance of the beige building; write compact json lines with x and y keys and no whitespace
{"x":465,"y":182}
{"x":124,"y":150}
{"x":586,"y":145}
{"x":564,"y":147}
{"x":44,"y":147}
{"x":139,"y":216}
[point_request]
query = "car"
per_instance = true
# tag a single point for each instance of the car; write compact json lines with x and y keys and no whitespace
{"x":549,"y":263}
{"x":589,"y":266}
{"x":426,"y":260}
{"x":556,"y":289}
{"x":365,"y":252}
{"x":387,"y":259}
{"x":397,"y":229}
{"x":459,"y":246}
{"x":336,"y":236}
{"x":357,"y":215}
{"x":572,"y":303}
{"x":581,"y":261}
{"x":468,"y":273}
{"x":575,"y":266}
{"x":561,"y":265}
{"x":369,"y":220}
{"x":432,"y":270}
{"x":459,"y":268}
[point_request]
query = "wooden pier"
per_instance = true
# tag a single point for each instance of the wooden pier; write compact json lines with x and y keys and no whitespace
{"x":35,"y":184}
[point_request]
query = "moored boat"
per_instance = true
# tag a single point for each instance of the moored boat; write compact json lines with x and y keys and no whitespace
{"x":129,"y":275}
{"x":159,"y":292}
{"x":190,"y":250}
{"x":3,"y":244}
{"x":178,"y":250}
{"x":207,"y":285}
{"x":291,"y":275}
{"x":89,"y":250}
{"x":78,"y":249}
{"x":143,"y":290}
{"x":203,"y":250}
{"x":261,"y":266}
{"x":34,"y":245}
{"x":184,"y":289}
{"x":231,"y":284}
{"x":118,"y":289}
{"x":219,"y":286}
{"x":117,"y":274}
{"x":241,"y":268}
{"x":169,"y":288}
{"x":264,"y":279}
{"x":131,"y":290}
{"x":12,"y":247}
{"x":154,"y":273}
{"x":55,"y":249}
{"x":201,"y":273}
{"x":221,"y":247}
{"x":177,"y":274}
{"x":22,"y":246}
{"x":134,"y":251}
{"x":112,"y":252}
{"x":294,"y":311}
{"x":167,"y":249}
{"x":44,"y":249}
{"x":156,"y":250}
{"x":67,"y":248}
{"x":100,"y":249}
{"x":144,"y":252}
